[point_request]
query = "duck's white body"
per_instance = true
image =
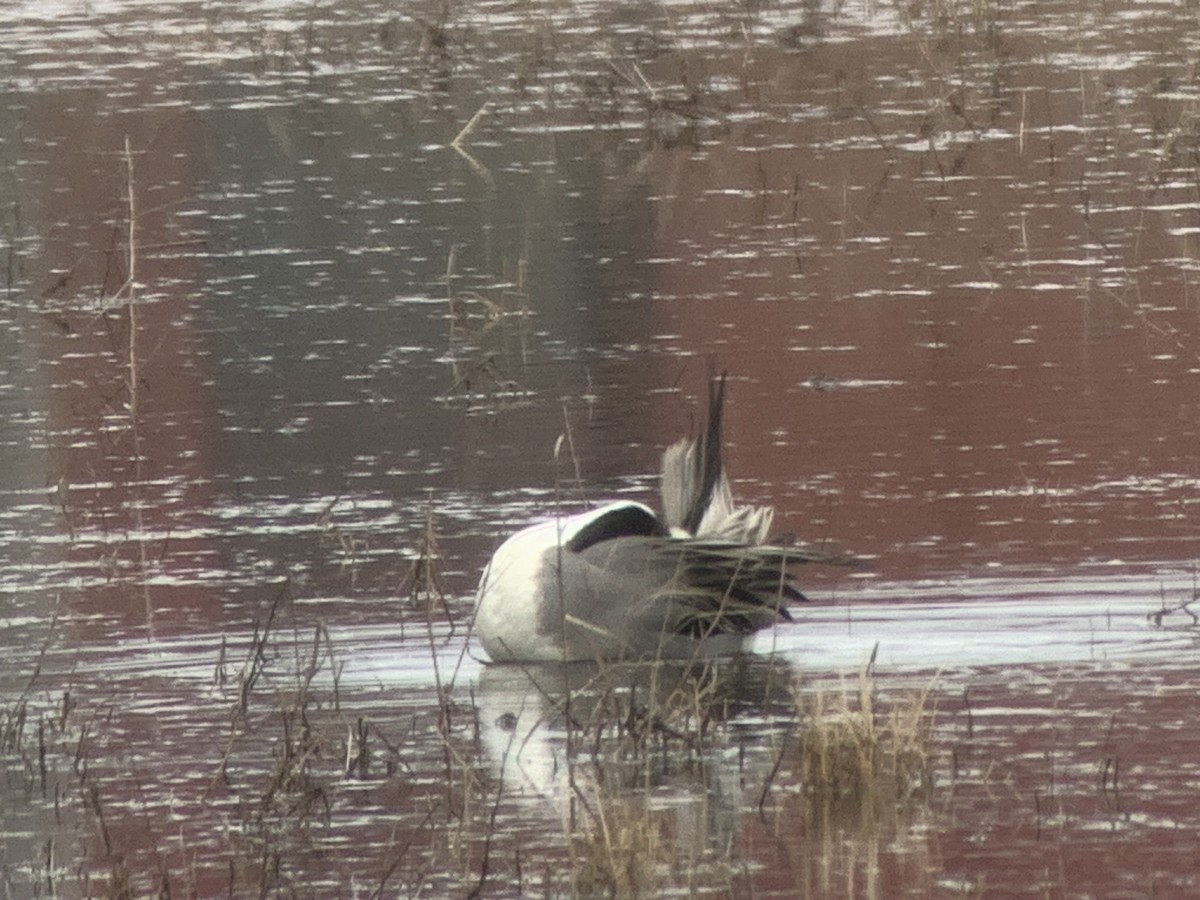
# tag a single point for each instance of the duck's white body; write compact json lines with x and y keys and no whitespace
{"x":506,"y":612}
{"x":621,"y":582}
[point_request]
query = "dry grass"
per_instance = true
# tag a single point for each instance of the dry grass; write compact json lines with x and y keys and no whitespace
{"x":854,"y":757}
{"x":855,"y":752}
{"x":630,"y":736}
{"x":618,"y":851}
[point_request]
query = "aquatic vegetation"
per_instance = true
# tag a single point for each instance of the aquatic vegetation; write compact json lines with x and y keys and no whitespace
{"x":271,"y":368}
{"x":848,"y":749}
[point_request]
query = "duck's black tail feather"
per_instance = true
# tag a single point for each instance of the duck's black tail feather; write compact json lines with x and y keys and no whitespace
{"x":707,"y":467}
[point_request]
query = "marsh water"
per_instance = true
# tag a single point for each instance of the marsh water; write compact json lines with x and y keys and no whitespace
{"x":401,"y":278}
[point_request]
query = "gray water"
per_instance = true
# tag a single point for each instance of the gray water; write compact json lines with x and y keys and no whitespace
{"x":944,"y":251}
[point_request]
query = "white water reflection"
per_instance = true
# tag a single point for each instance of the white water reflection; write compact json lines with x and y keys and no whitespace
{"x":1097,"y":625}
{"x":1091,"y":621}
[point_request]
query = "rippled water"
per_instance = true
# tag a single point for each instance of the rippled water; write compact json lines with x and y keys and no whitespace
{"x":945,"y":252}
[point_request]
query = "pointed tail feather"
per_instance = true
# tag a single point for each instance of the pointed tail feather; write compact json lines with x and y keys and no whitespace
{"x":695,"y":491}
{"x":707,"y":469}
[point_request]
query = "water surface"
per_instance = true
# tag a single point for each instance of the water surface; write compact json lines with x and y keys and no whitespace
{"x":944,"y":252}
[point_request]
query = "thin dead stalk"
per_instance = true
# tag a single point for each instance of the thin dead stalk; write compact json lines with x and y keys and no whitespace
{"x":491,"y":829}
{"x":129,"y":291}
{"x":470,"y":126}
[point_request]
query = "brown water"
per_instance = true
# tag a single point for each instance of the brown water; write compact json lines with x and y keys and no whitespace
{"x":945,"y":252}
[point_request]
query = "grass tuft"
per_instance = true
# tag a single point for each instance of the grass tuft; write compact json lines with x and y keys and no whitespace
{"x":617,"y":850}
{"x":850,"y":748}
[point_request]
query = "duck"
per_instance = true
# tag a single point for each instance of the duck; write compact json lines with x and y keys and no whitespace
{"x":622,"y":582}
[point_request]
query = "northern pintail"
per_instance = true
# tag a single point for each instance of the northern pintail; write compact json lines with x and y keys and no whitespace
{"x":620,"y":582}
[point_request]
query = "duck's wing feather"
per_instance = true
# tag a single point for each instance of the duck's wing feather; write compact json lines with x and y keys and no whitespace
{"x":686,"y":586}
